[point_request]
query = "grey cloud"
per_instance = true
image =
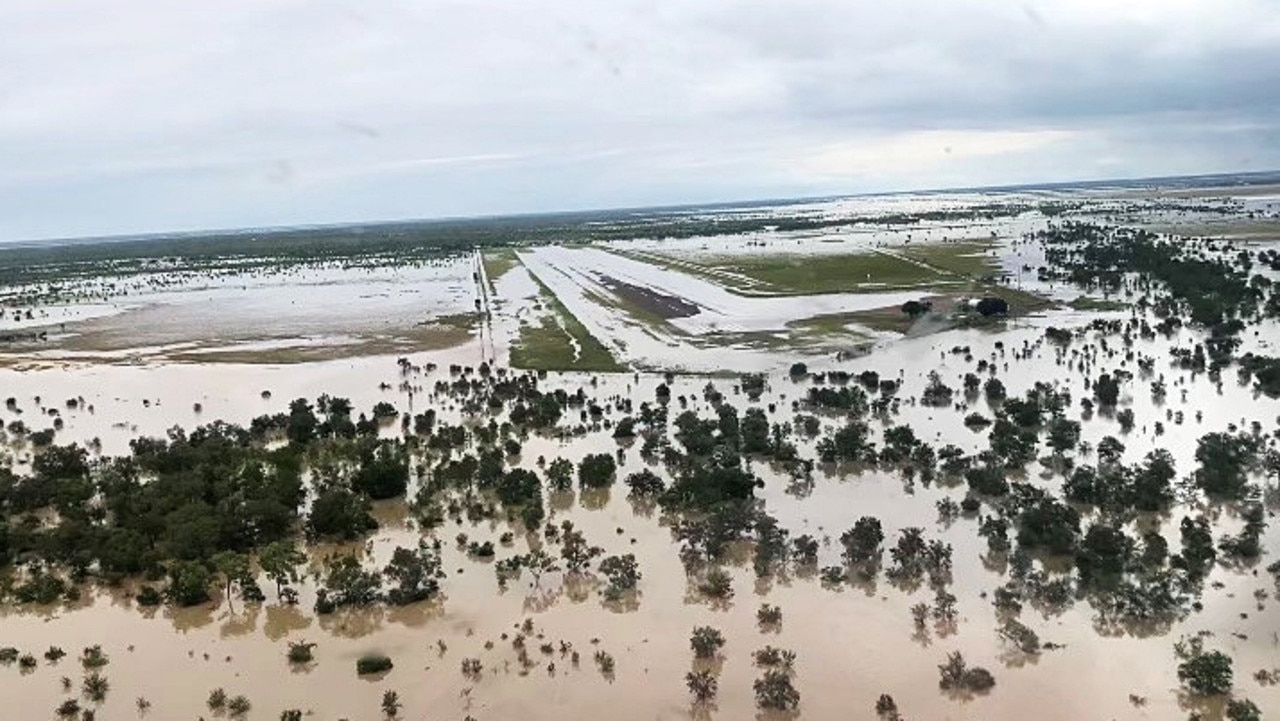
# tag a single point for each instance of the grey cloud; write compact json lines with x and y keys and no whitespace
{"x":129,"y":116}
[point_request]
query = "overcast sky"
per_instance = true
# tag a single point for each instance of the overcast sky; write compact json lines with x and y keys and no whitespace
{"x":136,"y":116}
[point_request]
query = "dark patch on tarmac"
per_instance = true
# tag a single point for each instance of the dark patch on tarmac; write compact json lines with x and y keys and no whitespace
{"x":660,"y":304}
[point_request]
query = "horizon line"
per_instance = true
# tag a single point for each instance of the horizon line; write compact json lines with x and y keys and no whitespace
{"x":241,"y":230}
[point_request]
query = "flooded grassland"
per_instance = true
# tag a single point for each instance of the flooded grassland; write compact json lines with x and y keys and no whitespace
{"x":1022,"y":514}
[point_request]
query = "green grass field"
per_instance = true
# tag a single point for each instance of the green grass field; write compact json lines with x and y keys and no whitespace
{"x":971,"y":259}
{"x":806,"y":274}
{"x":549,"y":345}
{"x":914,"y":266}
{"x":496,"y":263}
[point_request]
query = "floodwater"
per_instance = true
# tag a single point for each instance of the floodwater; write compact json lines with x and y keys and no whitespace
{"x":852,"y":644}
{"x":325,"y":307}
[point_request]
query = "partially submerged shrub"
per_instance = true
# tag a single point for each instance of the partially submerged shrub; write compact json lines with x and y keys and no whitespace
{"x":775,"y":692}
{"x":1206,"y":674}
{"x":373,"y":663}
{"x":300,"y":652}
{"x":706,"y":641}
{"x":217,"y":700}
{"x":702,"y":685}
{"x":956,"y":675}
{"x":95,"y":686}
{"x":718,"y":584}
{"x":92,"y":657}
{"x":239,"y":706}
{"x":768,"y":615}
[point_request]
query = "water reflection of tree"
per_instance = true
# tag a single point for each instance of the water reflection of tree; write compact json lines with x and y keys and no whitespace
{"x":694,"y":595}
{"x":800,"y":487}
{"x":540,"y":599}
{"x":1204,"y":707}
{"x":241,"y":622}
{"x":560,"y":500}
{"x":642,"y":506}
{"x":417,"y":615}
{"x":190,"y":618}
{"x":595,"y":499}
{"x":862,"y":577}
{"x":773,"y":715}
{"x":764,"y":584}
{"x":703,"y":711}
{"x":353,"y":622}
{"x":997,"y":563}
{"x":284,"y":619}
{"x":628,"y":602}
{"x":1113,"y":622}
{"x":1017,"y":658}
{"x":578,"y":586}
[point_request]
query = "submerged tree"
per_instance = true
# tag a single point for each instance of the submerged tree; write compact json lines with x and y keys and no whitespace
{"x":597,"y":470}
{"x":775,"y":691}
{"x":702,"y":685}
{"x":623,"y":573}
{"x":415,"y":574}
{"x":188,"y":583}
{"x":346,"y":583}
{"x":575,"y":550}
{"x":956,"y":675}
{"x":1207,"y":673}
{"x":391,"y":703}
{"x":280,"y":561}
{"x":706,"y":642}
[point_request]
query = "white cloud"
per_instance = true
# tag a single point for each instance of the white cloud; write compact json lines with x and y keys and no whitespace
{"x":140,"y":116}
{"x":913,"y":153}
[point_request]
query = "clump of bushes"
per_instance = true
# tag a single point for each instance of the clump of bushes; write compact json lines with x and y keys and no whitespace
{"x":717,"y":584}
{"x":775,"y":691}
{"x":768,"y":615}
{"x":92,"y":657}
{"x":239,"y":706}
{"x":96,"y":686}
{"x":702,"y":685}
{"x":217,"y":700}
{"x":604,"y":660}
{"x":956,"y":675}
{"x":706,"y":641}
{"x":1206,"y":673}
{"x":300,"y":652}
{"x":887,"y":708}
{"x":773,"y":657}
{"x":373,"y":663}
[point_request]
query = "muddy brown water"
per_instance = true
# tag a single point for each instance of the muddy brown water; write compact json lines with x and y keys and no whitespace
{"x":852,"y":644}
